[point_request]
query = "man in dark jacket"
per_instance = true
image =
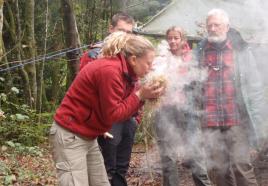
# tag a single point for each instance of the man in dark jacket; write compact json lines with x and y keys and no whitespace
{"x":232,"y":102}
{"x":119,"y":22}
{"x":116,"y":148}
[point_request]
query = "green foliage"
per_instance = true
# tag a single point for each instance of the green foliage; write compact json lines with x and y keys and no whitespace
{"x":6,"y":172}
{"x":18,"y":123}
{"x":21,"y":149}
{"x":24,"y":133}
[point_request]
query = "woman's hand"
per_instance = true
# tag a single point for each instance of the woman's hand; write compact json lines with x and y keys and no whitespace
{"x":151,"y":91}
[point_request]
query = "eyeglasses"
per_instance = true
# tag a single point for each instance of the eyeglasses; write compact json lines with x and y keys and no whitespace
{"x":215,"y":25}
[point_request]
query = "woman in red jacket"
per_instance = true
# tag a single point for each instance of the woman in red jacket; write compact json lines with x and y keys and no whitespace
{"x":102,"y":93}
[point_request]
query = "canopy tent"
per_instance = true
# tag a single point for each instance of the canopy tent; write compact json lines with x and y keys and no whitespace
{"x":247,"y":16}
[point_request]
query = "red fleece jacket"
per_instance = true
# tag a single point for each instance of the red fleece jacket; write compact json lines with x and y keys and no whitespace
{"x":101,"y":94}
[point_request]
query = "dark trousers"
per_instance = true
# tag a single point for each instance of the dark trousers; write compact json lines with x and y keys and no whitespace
{"x":117,"y":151}
{"x":179,"y":132}
{"x":229,"y":156}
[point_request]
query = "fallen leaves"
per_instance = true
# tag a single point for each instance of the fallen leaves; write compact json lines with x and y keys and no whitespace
{"x":24,"y":170}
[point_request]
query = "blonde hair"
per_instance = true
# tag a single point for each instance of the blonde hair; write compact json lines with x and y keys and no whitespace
{"x":179,"y":30}
{"x":127,"y":44}
{"x":182,"y":34}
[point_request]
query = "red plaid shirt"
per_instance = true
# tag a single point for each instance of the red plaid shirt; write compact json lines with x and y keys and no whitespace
{"x":219,"y":89}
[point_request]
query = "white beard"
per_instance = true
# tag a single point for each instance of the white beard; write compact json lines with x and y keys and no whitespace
{"x":216,"y":39}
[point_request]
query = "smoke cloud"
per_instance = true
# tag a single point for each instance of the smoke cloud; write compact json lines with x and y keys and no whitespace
{"x":250,"y":19}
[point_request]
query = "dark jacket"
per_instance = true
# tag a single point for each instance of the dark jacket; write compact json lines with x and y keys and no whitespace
{"x":90,"y":55}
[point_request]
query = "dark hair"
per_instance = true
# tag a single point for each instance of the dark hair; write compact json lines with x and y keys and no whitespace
{"x":121,"y":16}
{"x":237,"y":40}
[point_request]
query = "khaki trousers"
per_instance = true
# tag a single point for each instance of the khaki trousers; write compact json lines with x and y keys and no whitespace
{"x":78,"y":160}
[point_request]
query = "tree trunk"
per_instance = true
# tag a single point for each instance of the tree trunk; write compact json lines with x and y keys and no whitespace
{"x":1,"y":28}
{"x":14,"y":29}
{"x":30,"y":49}
{"x":91,"y":29}
{"x":71,"y":38}
{"x":3,"y":57}
{"x":8,"y":82}
{"x":40,"y":68}
{"x":2,"y":48}
{"x":58,"y":76}
{"x":22,"y":72}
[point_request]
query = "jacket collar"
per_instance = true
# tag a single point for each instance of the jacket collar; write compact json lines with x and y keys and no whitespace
{"x":128,"y":72}
{"x":227,"y":44}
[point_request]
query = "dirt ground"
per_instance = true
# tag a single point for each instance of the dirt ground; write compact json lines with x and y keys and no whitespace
{"x":145,"y":168}
{"x":27,"y":170}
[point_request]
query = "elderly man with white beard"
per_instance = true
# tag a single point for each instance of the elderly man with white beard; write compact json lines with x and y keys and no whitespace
{"x":232,"y":101}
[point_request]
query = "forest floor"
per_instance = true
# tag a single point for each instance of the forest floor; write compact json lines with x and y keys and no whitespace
{"x":37,"y":169}
{"x":145,"y":168}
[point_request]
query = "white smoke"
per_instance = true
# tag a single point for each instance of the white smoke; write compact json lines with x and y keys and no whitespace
{"x":249,"y":17}
{"x":177,"y":73}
